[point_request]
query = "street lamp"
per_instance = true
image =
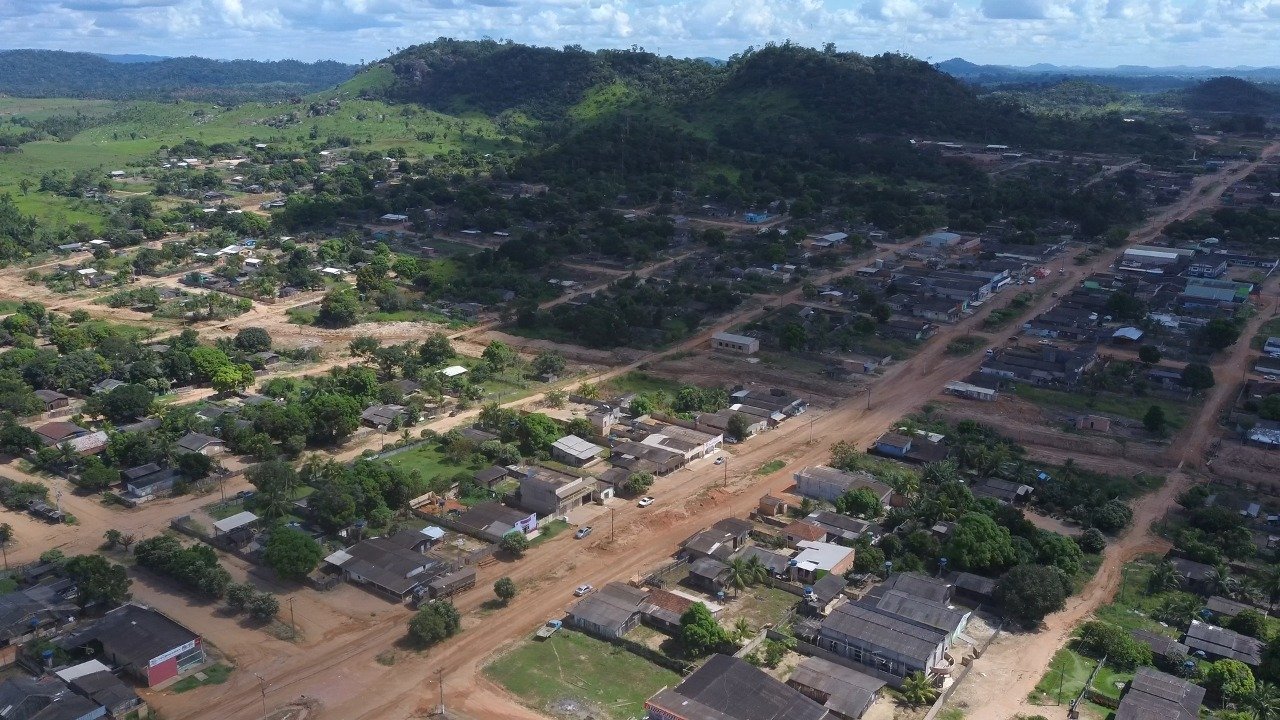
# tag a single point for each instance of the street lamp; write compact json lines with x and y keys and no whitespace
{"x":262,"y":685}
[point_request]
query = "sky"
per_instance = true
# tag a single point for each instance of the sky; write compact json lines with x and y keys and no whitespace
{"x":1094,"y":33}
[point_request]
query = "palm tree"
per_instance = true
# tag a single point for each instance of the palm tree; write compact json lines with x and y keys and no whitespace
{"x":1164,"y":577}
{"x":1218,"y":581}
{"x":742,"y":628}
{"x":1270,"y":585}
{"x":756,"y":570}
{"x":1265,"y":701}
{"x":739,"y":575}
{"x":918,"y":690}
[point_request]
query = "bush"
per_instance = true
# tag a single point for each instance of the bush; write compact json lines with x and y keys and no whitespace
{"x":263,"y":606}
{"x":1121,"y":649}
{"x":1092,"y":541}
{"x":514,"y":542}
{"x":435,"y":621}
{"x":239,"y":595}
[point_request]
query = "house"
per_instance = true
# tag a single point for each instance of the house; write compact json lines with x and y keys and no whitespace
{"x":451,"y":584}
{"x":453,"y":371}
{"x":52,"y":399}
{"x":1214,"y":642}
{"x":826,"y":483}
{"x":150,"y":479}
{"x":405,"y":386}
{"x":491,"y":521}
{"x":738,"y":344}
{"x":95,"y":681}
{"x":573,"y":450}
{"x":1195,"y":575}
{"x":891,"y":648}
{"x":941,"y":239}
{"x":45,"y":698}
{"x":549,"y":492}
{"x":708,"y":574}
{"x":893,"y":444}
{"x":922,"y":586}
{"x":610,"y":612}
{"x":772,"y":506}
{"x":691,"y":444}
{"x":839,"y":528}
{"x":633,"y":455}
{"x":105,"y":386}
{"x":720,"y":540}
{"x":775,"y":563}
{"x":1002,"y":491}
{"x":846,"y":693}
{"x":971,"y":391}
{"x":140,"y":641}
{"x":382,"y":416}
{"x":803,"y":530}
{"x":1040,"y":365}
{"x":1153,"y":694}
{"x":393,"y":219}
{"x":1162,"y":646}
{"x":1223,"y":608}
{"x":490,"y":476}
{"x":394,"y":566}
{"x":822,"y":596}
{"x":265,"y":358}
{"x":663,"y":609}
{"x":909,"y":330}
{"x":729,"y":688}
{"x":1095,"y":423}
{"x":35,"y":612}
{"x":195,"y":442}
{"x":974,"y":588}
{"x":818,"y":558}
{"x":917,"y":610}
{"x":56,"y":433}
{"x":718,"y":422}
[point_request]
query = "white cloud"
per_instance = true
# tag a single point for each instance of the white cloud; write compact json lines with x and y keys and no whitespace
{"x":1087,"y":32}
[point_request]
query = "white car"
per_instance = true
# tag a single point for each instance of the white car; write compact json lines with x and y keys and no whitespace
{"x":645,"y":501}
{"x":582,"y":590}
{"x":720,"y":460}
{"x":1270,"y":378}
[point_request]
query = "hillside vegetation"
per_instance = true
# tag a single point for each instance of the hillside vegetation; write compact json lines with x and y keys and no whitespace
{"x":51,"y":73}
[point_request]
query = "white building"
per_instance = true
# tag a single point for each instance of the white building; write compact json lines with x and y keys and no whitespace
{"x":730,"y":342}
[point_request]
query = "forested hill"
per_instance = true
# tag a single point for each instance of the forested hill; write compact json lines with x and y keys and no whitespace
{"x":1230,"y":94}
{"x":890,"y":94}
{"x":52,"y":73}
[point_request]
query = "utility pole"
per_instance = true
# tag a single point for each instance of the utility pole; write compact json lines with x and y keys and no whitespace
{"x":262,"y":685}
{"x":293,"y":626}
{"x":440,"y":680}
{"x":610,"y":524}
{"x":868,"y":397}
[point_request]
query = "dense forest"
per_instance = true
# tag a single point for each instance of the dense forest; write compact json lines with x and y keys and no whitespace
{"x":51,"y":73}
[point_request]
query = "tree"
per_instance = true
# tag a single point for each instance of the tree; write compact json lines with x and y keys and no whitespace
{"x":1155,"y":420}
{"x":1218,"y":334}
{"x":505,"y":589}
{"x":435,"y":621}
{"x":292,"y":553}
{"x":1230,"y":678}
{"x":514,"y":543}
{"x":1198,"y":377}
{"x":253,"y":339}
{"x":123,"y":404}
{"x":94,"y":475}
{"x":638,"y":482}
{"x":1059,"y":551}
{"x":339,"y":308}
{"x":1149,"y":354}
{"x":239,"y":595}
{"x":276,"y":481}
{"x":700,"y":634}
{"x":979,"y":544}
{"x":1112,"y":517}
{"x":743,"y":574}
{"x":862,"y":502}
{"x":262,"y":606}
{"x":1029,"y":592}
{"x":1119,"y":647}
{"x":1265,"y":701}
{"x":537,"y":433}
{"x":499,"y":356}
{"x":548,"y":362}
{"x":98,"y":581}
{"x":195,"y":466}
{"x":1092,"y":541}
{"x":1164,"y":578}
{"x":1250,"y":622}
{"x":739,"y":426}
{"x":918,"y":690}
{"x":333,"y":415}
{"x":231,"y":378}
{"x":436,"y":349}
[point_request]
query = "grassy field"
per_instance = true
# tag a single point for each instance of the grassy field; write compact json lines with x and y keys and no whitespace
{"x":771,"y":467}
{"x":1130,"y":407}
{"x":428,"y":460}
{"x":759,"y":605}
{"x":573,"y":666}
{"x":641,"y":382}
{"x":966,"y":344}
{"x":1066,"y":677}
{"x":213,"y":675}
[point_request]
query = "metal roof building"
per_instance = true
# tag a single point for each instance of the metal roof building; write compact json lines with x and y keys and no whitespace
{"x":1153,"y":695}
{"x":728,"y":688}
{"x":1217,"y":642}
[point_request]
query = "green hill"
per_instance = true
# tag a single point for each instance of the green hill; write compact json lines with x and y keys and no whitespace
{"x":1230,"y":94}
{"x":51,"y":73}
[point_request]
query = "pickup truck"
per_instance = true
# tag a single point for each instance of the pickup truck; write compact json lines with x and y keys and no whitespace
{"x":548,"y":630}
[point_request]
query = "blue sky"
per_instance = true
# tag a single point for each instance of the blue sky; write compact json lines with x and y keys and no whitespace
{"x":1077,"y":32}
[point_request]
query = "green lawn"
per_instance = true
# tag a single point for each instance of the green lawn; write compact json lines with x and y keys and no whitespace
{"x":428,"y":460}
{"x":573,"y":665}
{"x":549,"y":531}
{"x":642,"y":382}
{"x":1130,"y":407}
{"x":214,"y":675}
{"x":1066,"y":677}
{"x":759,"y":605}
{"x":771,"y":467}
{"x":966,"y":344}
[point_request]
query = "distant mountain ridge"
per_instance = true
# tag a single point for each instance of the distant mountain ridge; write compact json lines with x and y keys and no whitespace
{"x":54,"y":73}
{"x":966,"y":70}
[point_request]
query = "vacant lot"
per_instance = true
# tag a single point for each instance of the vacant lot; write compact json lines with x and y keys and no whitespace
{"x":571,"y":667}
{"x":1134,"y":408}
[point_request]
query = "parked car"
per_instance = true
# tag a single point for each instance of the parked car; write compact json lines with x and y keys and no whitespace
{"x":720,"y":460}
{"x":582,"y":590}
{"x":549,"y":629}
{"x":583,"y":531}
{"x":646,"y":501}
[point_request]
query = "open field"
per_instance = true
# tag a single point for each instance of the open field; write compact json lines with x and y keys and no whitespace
{"x":573,"y":666}
{"x":1134,"y":408}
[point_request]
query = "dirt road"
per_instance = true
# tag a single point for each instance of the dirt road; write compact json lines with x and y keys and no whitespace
{"x":338,"y":667}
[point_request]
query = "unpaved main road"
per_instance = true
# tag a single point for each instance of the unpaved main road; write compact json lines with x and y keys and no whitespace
{"x":338,"y":667}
